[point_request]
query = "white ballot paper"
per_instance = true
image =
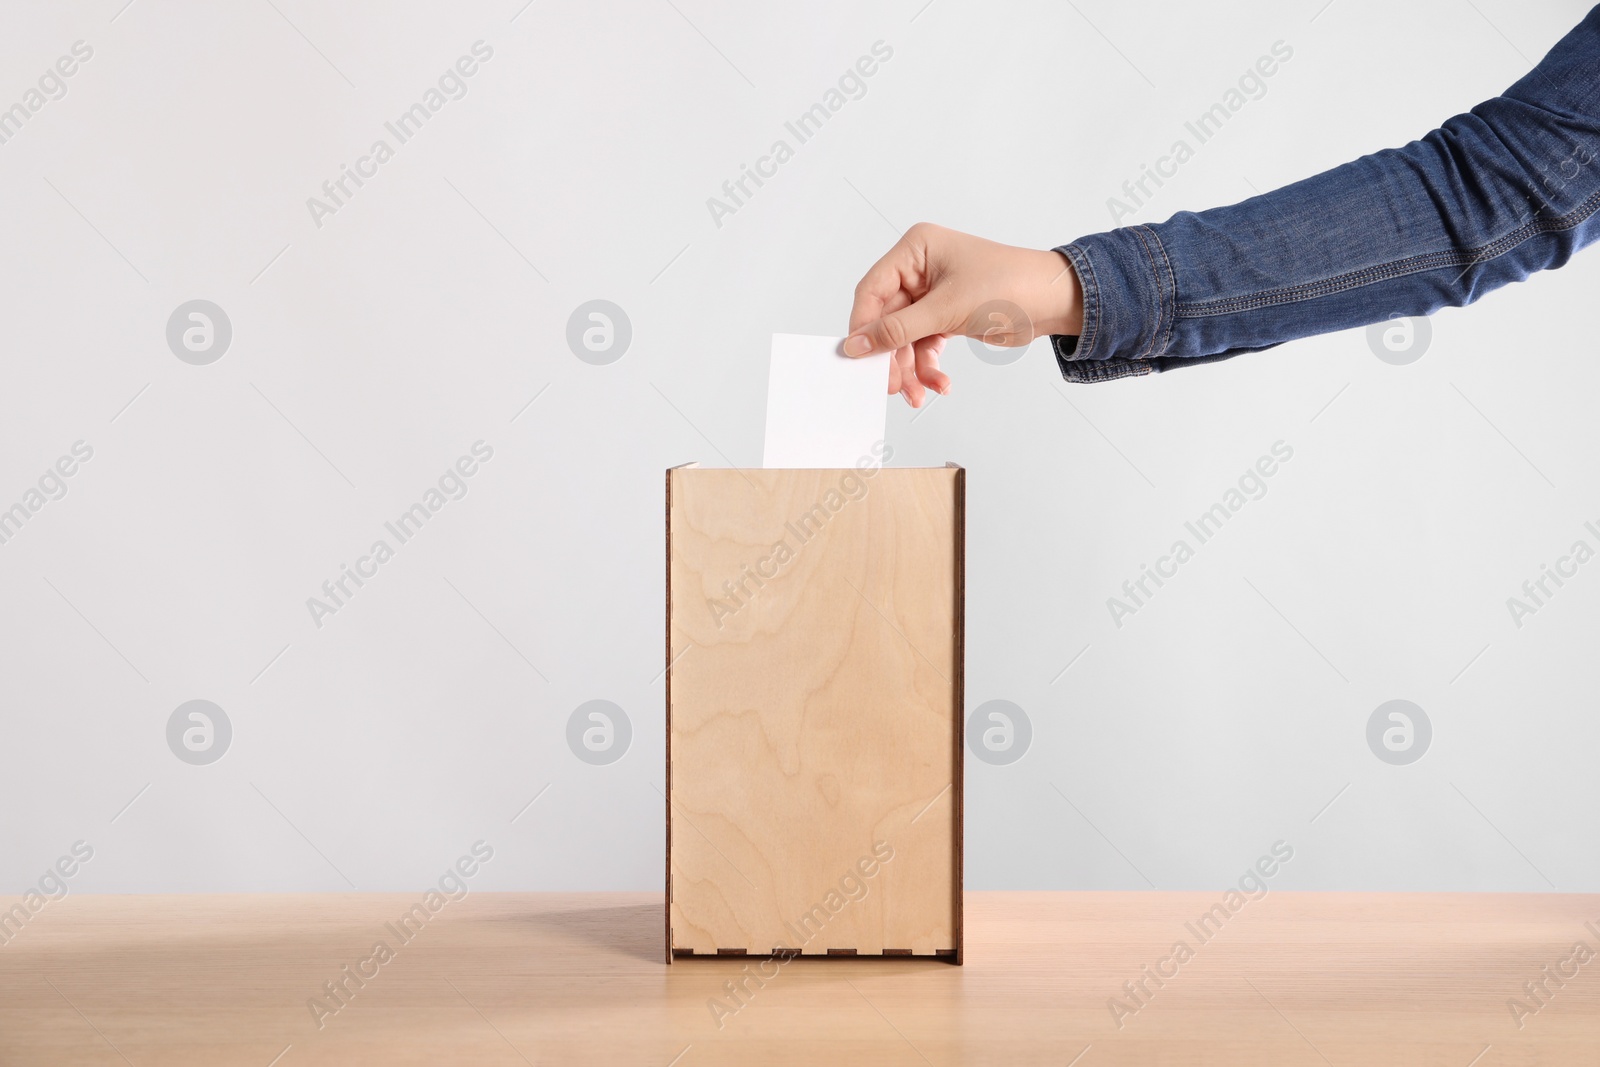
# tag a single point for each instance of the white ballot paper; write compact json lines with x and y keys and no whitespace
{"x":824,"y":409}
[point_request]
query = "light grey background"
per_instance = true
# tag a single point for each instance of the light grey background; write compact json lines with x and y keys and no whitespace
{"x":369,"y":353}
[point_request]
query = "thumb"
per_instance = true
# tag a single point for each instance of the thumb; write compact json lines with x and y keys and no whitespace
{"x":899,"y":329}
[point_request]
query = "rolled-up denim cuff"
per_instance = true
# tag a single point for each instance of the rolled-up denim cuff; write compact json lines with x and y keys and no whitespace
{"x":1081,"y":371}
{"x":1128,"y":306}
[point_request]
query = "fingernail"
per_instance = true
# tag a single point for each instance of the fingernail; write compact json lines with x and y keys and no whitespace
{"x":857,"y":345}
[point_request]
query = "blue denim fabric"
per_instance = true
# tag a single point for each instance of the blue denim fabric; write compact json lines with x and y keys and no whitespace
{"x":1492,"y":196}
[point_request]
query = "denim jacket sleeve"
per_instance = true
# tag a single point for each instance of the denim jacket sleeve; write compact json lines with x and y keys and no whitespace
{"x":1490,"y":197}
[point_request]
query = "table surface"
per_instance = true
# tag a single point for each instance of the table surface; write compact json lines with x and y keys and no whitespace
{"x":520,"y":978}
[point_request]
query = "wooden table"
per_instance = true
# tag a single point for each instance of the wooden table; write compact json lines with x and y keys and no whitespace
{"x":1316,"y":979}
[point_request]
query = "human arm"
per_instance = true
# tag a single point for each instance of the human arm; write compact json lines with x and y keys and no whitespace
{"x":1493,"y":195}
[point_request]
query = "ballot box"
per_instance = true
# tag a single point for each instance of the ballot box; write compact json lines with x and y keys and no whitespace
{"x":814,"y":706}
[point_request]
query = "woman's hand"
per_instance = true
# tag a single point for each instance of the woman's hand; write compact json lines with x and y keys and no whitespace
{"x":937,"y":283}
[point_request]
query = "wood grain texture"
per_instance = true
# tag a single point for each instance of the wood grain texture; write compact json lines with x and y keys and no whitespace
{"x":814,"y":710}
{"x":506,"y":980}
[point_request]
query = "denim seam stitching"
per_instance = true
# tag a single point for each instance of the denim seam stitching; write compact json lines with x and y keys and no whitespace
{"x":1396,"y":269}
{"x":1155,"y":274}
{"x":1172,"y":283}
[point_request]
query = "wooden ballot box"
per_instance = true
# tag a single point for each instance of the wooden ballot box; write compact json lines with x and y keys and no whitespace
{"x":814,"y":705}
